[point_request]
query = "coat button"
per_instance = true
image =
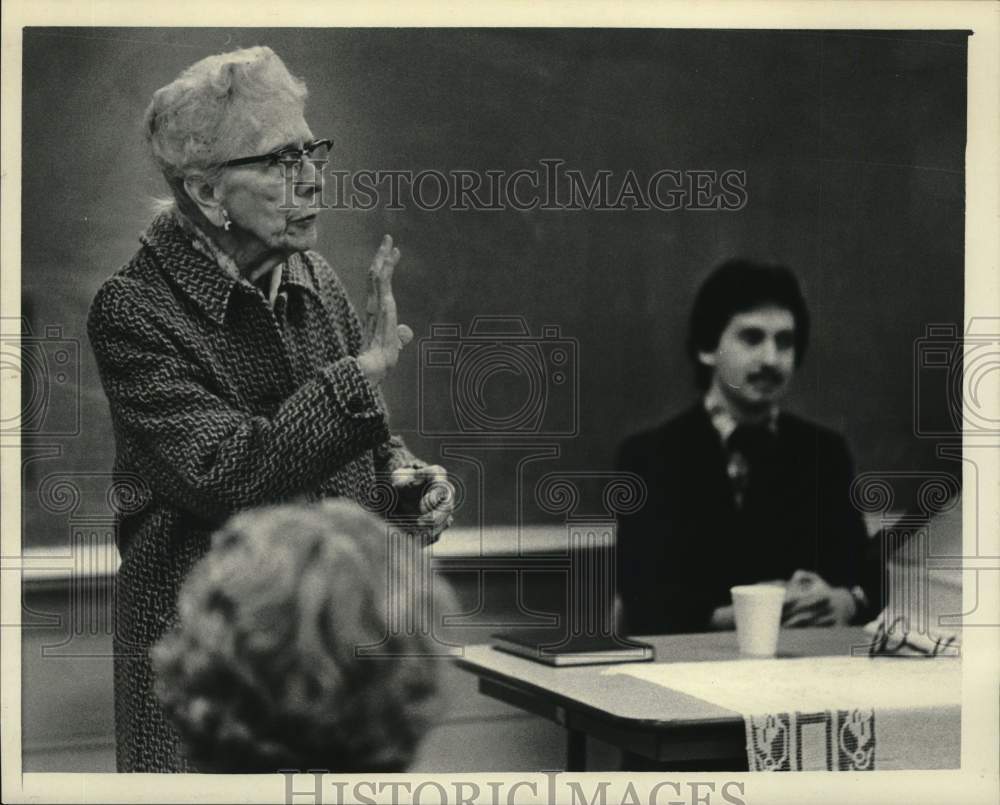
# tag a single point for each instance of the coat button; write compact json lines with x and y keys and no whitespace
{"x":355,"y":404}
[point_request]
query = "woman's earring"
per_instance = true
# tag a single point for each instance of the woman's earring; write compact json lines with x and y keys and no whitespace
{"x":226,"y":223}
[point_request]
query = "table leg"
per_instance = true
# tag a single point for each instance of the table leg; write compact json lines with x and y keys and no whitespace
{"x":576,"y":750}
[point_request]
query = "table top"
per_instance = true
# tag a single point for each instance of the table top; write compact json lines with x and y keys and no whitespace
{"x":638,"y":703}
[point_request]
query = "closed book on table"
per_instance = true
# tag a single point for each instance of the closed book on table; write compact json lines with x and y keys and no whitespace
{"x":555,"y":648}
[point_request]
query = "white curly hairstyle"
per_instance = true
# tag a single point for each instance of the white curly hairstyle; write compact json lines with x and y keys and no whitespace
{"x":209,"y":113}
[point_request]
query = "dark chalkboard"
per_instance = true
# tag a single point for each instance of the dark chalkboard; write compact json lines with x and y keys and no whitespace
{"x":850,"y":145}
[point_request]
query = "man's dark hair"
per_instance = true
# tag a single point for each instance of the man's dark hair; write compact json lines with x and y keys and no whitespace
{"x":738,"y":286}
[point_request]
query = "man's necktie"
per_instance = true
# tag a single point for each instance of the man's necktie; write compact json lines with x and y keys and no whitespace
{"x":751,"y":448}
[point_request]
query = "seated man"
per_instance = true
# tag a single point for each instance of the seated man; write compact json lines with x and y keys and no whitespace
{"x":741,"y":491}
{"x":272,"y":666}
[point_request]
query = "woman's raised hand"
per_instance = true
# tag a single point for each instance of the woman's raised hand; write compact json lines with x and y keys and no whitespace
{"x":384,"y":337}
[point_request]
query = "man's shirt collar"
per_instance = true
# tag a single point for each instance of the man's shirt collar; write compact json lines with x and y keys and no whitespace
{"x":724,"y":421}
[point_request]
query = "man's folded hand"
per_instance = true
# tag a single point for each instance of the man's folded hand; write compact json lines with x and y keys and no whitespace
{"x":810,"y":601}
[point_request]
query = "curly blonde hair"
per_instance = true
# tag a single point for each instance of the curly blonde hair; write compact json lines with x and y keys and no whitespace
{"x":265,"y":670}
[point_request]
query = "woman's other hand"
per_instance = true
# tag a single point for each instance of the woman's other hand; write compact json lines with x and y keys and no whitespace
{"x":436,"y":502}
{"x":384,"y":337}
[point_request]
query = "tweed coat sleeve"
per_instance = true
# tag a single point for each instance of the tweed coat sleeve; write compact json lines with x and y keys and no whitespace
{"x":393,"y":453}
{"x":193,"y":446}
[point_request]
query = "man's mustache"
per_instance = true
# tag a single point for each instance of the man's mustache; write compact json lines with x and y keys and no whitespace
{"x":766,"y":374}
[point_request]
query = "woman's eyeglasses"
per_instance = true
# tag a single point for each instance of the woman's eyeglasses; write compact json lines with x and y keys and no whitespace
{"x":290,"y":156}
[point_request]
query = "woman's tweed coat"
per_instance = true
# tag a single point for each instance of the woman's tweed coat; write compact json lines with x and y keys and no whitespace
{"x":218,"y":402}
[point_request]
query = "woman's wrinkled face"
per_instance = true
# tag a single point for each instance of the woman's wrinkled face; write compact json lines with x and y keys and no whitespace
{"x":273,"y":208}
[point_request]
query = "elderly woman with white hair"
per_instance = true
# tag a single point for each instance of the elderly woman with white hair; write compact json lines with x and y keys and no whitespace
{"x":236,"y":370}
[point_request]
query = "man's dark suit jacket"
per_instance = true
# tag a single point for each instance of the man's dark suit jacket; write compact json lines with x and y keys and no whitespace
{"x":679,"y":555}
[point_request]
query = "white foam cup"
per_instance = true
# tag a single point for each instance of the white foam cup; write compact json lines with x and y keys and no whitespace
{"x":757,"y":610}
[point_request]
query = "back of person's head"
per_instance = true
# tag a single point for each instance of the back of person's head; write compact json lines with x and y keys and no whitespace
{"x":263,"y":671}
{"x":739,"y":286}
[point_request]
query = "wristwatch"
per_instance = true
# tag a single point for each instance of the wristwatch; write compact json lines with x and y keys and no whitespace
{"x":860,"y":602}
